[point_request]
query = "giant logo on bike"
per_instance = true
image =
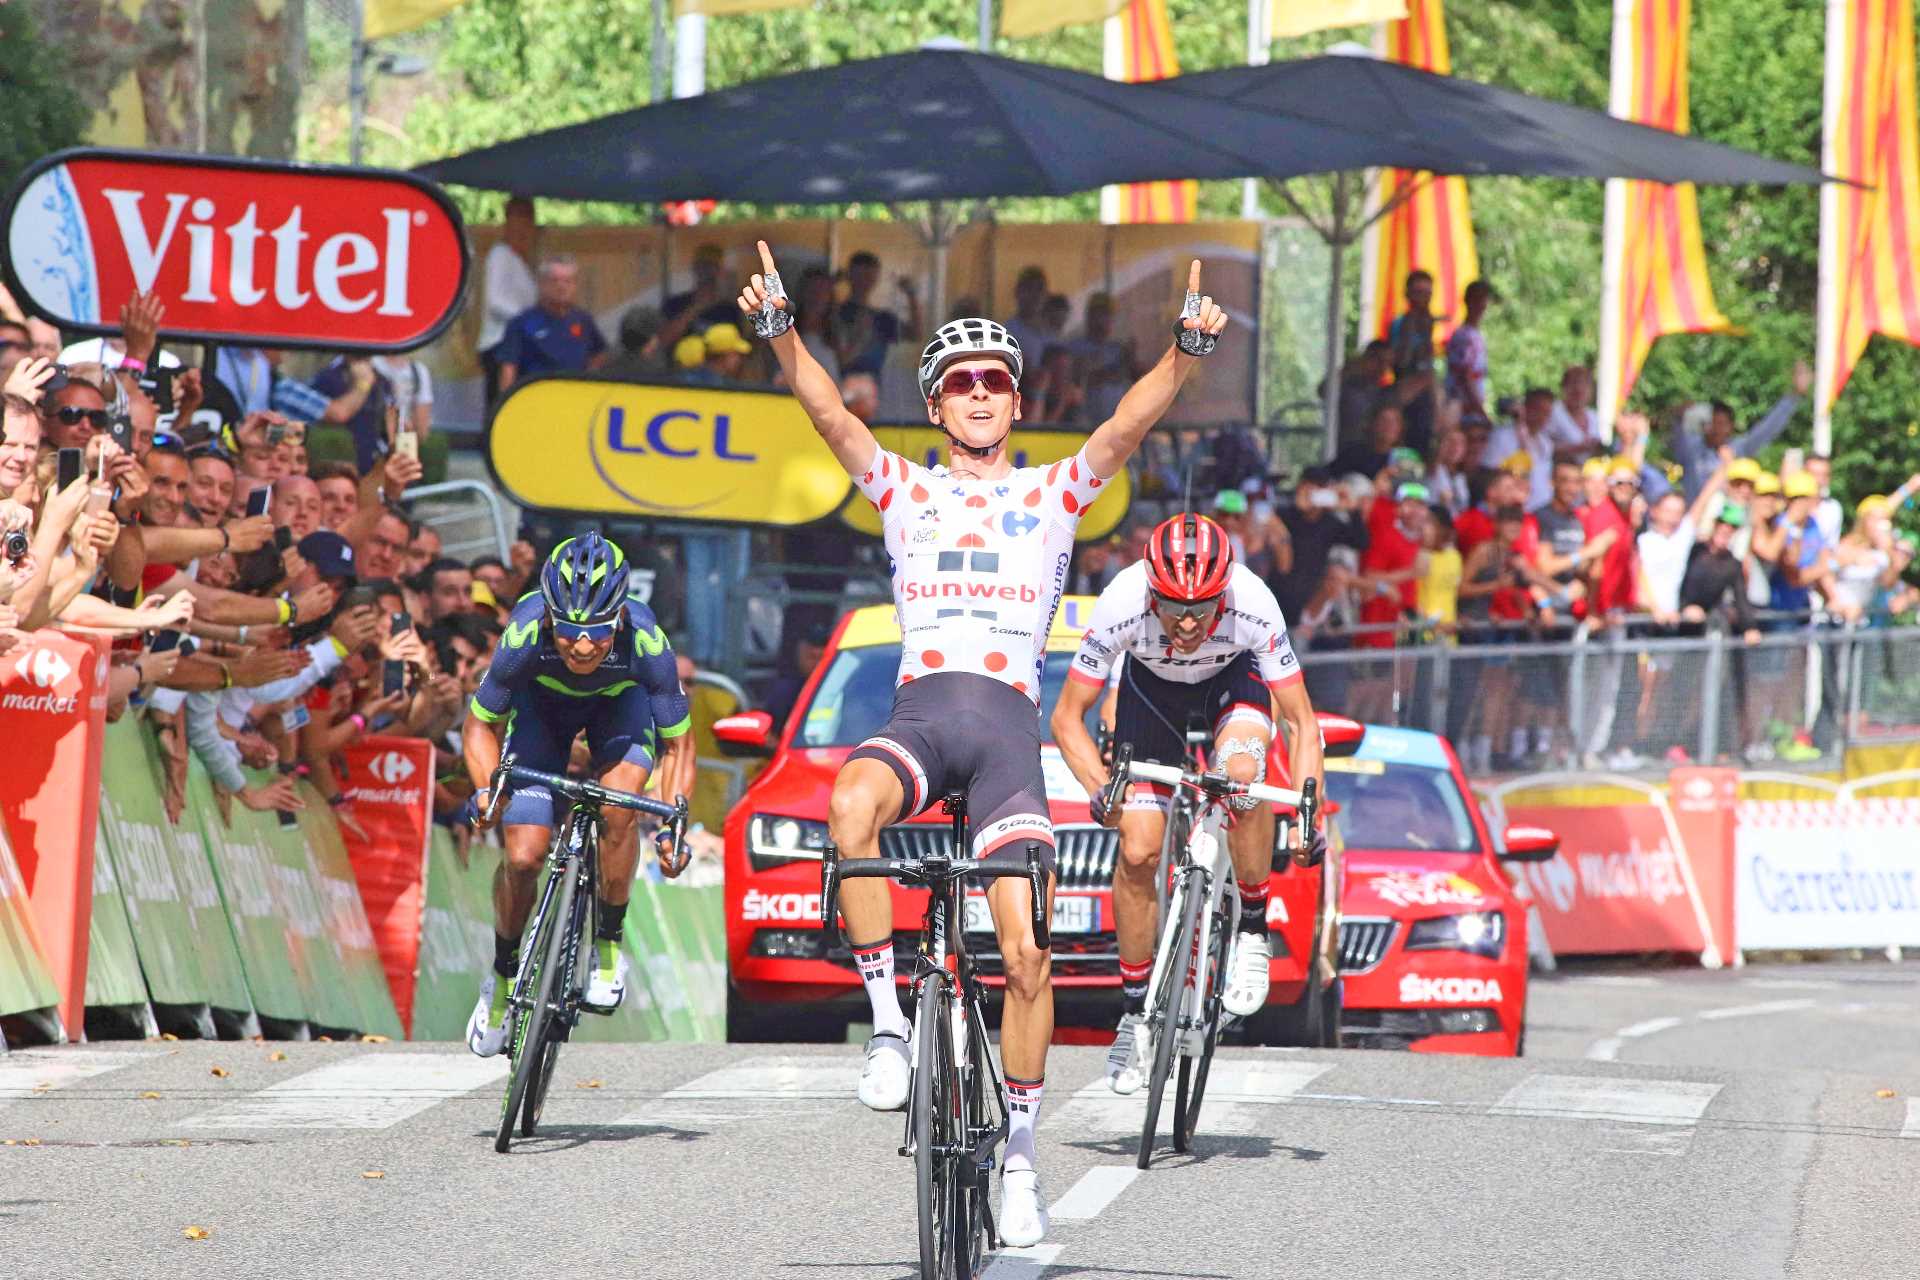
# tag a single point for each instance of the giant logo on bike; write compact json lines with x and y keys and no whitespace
{"x":240,"y":251}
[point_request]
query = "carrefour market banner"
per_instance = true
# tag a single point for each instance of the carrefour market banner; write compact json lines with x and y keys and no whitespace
{"x":389,"y":791}
{"x":1813,"y":874}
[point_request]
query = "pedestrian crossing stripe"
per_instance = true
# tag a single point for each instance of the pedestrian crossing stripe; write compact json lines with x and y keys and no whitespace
{"x":370,"y":1091}
{"x":755,"y":1087}
{"x":30,"y":1073}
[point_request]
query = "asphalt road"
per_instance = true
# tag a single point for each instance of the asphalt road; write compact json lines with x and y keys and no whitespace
{"x":1750,"y":1124}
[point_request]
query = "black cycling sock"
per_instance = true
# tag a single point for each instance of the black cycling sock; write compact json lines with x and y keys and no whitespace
{"x":610,"y":919}
{"x":1253,"y":906}
{"x":1133,"y":999}
{"x":506,"y":955}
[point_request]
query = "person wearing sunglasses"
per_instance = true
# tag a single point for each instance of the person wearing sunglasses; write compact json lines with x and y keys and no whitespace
{"x":579,"y":654}
{"x":75,"y":414}
{"x":1204,"y":642}
{"x":979,"y":552}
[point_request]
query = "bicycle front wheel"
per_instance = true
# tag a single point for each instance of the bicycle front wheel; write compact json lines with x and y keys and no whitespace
{"x":1167,"y":1004}
{"x":938,"y":1130}
{"x":529,"y":1042}
{"x":1192,"y":1087}
{"x":563,"y":964}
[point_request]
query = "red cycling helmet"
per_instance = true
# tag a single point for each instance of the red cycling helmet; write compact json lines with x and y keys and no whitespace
{"x":1188,"y":558}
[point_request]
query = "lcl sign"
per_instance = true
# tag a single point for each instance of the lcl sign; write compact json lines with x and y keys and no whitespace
{"x":240,"y":251}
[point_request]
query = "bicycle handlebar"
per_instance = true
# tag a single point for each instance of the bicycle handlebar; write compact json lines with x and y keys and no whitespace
{"x":581,"y":791}
{"x":925,"y":871}
{"x":1219,"y":785}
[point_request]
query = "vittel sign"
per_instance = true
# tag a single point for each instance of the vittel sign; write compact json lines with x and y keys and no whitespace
{"x":240,"y":251}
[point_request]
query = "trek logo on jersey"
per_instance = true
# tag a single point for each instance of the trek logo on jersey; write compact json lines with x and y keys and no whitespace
{"x":1415,"y":989}
{"x":987,"y":589}
{"x":779,"y":906}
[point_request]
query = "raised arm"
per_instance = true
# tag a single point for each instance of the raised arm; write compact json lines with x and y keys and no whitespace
{"x":1201,"y":322}
{"x":765,"y":305}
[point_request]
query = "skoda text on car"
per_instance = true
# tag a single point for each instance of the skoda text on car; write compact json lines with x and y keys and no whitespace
{"x":1433,"y":943}
{"x":792,"y":980}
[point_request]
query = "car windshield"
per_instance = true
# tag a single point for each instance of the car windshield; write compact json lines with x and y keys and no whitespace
{"x":1392,"y":807}
{"x":856,"y":694}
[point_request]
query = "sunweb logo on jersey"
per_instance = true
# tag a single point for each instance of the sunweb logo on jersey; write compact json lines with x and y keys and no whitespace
{"x":392,"y":768}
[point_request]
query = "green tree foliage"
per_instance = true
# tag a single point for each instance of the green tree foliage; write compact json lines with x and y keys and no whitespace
{"x":510,"y":67}
{"x":41,"y":111}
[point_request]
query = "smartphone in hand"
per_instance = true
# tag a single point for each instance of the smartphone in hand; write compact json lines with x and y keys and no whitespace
{"x":393,"y":677}
{"x":71,"y":466}
{"x":258,"y":500}
{"x":401,"y":622}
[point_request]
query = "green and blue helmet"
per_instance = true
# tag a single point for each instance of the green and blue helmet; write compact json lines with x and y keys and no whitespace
{"x":584,"y":581}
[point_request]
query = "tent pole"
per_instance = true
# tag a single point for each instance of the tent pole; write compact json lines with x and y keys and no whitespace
{"x":1336,"y":314}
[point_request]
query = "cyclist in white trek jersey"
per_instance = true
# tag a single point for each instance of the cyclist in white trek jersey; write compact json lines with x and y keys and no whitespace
{"x":979,"y":554}
{"x":1196,"y":637}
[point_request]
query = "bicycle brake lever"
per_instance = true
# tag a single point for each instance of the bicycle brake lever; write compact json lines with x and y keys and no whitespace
{"x":1037,"y":880}
{"x":829,"y":885}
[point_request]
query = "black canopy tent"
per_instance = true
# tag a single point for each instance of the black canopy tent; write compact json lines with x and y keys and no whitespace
{"x":943,"y":125}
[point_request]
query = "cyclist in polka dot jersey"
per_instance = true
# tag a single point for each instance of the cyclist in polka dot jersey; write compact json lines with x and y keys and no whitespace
{"x":980,"y":551}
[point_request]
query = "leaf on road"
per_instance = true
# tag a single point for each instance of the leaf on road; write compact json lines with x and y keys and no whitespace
{"x":373,"y":1039}
{"x":29,"y":1142}
{"x":276,"y":1056}
{"x":1885,"y":1093}
{"x":373,"y":1173}
{"x":588,"y":1084}
{"x":324,"y":1039}
{"x":149,"y":1095}
{"x":196,"y":1233}
{"x":168,"y":1035}
{"x":221,"y":1072}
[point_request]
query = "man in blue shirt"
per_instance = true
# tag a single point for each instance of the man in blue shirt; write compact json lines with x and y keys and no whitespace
{"x":553,"y":335}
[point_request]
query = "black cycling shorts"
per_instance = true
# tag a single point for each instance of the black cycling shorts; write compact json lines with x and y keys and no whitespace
{"x":1152,"y":714}
{"x":956,"y":731}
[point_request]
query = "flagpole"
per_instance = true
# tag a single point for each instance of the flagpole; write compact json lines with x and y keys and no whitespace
{"x":1613,"y":248}
{"x":357,"y":85}
{"x":1259,"y":54}
{"x":1376,"y":227}
{"x":1113,"y":65}
{"x":1827,"y":338}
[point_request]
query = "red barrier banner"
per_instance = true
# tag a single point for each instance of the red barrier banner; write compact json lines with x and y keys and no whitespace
{"x":53,"y":706}
{"x":241,"y":251}
{"x":1623,"y":881}
{"x":389,"y":789}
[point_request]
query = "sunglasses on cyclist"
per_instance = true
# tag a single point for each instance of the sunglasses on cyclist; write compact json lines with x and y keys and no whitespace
{"x":73,"y":415}
{"x":961,"y":382}
{"x":574,"y":632}
{"x":1181,"y":609}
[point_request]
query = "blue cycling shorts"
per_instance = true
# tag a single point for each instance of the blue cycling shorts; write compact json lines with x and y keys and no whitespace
{"x":541,"y":727}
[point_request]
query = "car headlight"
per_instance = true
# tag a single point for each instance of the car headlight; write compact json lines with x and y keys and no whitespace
{"x":774,"y":841}
{"x":1480,"y":932}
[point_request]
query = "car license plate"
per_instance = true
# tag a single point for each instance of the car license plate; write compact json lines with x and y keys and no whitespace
{"x":1071,"y":914}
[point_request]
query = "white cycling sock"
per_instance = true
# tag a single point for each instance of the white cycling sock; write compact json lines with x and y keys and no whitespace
{"x":1023,"y":1112}
{"x":875,"y":962}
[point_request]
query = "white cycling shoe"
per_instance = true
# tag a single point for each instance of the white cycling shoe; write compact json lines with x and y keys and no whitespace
{"x":1023,"y":1210}
{"x":883,"y":1081}
{"x":606,"y":988}
{"x":487,"y":1028}
{"x":1124,"y":1072}
{"x":1248,"y":977}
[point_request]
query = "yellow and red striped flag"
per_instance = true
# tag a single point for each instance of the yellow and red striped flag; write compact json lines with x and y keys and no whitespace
{"x":1037,"y":17}
{"x":1869,"y":234}
{"x":1142,"y":49}
{"x":1298,"y":17}
{"x":1654,"y":269}
{"x":1428,"y":225}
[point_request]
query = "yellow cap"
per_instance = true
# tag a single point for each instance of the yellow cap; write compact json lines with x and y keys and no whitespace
{"x":1874,"y":504}
{"x":1800,"y":485}
{"x":1768,"y":483}
{"x":690,"y":352}
{"x":1520,"y":462}
{"x":481,"y":593}
{"x":1743,"y":469}
{"x":1594,"y":467}
{"x":1622,"y":465}
{"x":725,"y":339}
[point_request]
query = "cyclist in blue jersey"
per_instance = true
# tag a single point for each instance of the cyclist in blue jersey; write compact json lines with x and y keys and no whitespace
{"x":578,"y":655}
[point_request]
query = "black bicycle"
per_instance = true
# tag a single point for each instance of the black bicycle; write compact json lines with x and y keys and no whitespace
{"x":549,"y":989}
{"x":951,"y":1128}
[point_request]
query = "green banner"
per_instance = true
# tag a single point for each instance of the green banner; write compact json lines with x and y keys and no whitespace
{"x":140,"y":840}
{"x":318,"y":838}
{"x":456,"y":941}
{"x":655,"y":947}
{"x":691,"y":917}
{"x":24,"y":981}
{"x":244,"y":869}
{"x":113,"y":963}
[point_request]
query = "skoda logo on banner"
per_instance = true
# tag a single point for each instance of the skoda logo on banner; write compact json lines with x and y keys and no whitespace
{"x":392,"y":768}
{"x":45,"y":668}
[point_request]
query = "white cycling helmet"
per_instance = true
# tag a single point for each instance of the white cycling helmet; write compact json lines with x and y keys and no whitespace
{"x":961,"y":340}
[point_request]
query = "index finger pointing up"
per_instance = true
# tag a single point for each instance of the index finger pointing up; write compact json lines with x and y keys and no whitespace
{"x":766,"y":257}
{"x":1193,"y":277}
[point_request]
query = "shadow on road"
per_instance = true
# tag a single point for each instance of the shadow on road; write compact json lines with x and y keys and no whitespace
{"x":1203,"y":1148}
{"x":565,"y":1137}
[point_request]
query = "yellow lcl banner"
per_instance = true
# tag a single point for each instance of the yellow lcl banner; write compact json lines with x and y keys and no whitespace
{"x":675,"y":453}
{"x":928,"y":447}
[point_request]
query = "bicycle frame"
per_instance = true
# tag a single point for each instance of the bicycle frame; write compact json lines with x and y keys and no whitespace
{"x":1206,"y":859}
{"x":582,"y":833}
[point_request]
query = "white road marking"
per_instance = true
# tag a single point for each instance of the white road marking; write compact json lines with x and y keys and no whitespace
{"x":1023,"y":1264}
{"x":754,"y":1088}
{"x":1650,"y":1027}
{"x":1792,"y":984}
{"x":1604,"y":1050}
{"x":30,"y":1073}
{"x":371,"y":1091}
{"x":1611,"y":980}
{"x":1233,"y":1086}
{"x":1624,"y":1104}
{"x":1753,"y":1010}
{"x":1096,"y":1189}
{"x":1912,"y":1127}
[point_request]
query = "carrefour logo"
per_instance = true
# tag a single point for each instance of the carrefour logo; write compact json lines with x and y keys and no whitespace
{"x":391,"y":767}
{"x":45,"y":667}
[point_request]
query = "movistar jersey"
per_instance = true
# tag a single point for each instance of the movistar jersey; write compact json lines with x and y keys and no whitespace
{"x":527,"y":662}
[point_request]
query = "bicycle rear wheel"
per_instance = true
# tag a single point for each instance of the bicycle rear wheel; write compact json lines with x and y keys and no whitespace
{"x":937,"y":1130}
{"x":530,"y":1034}
{"x":1166,"y":1003}
{"x":1191,"y":1089}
